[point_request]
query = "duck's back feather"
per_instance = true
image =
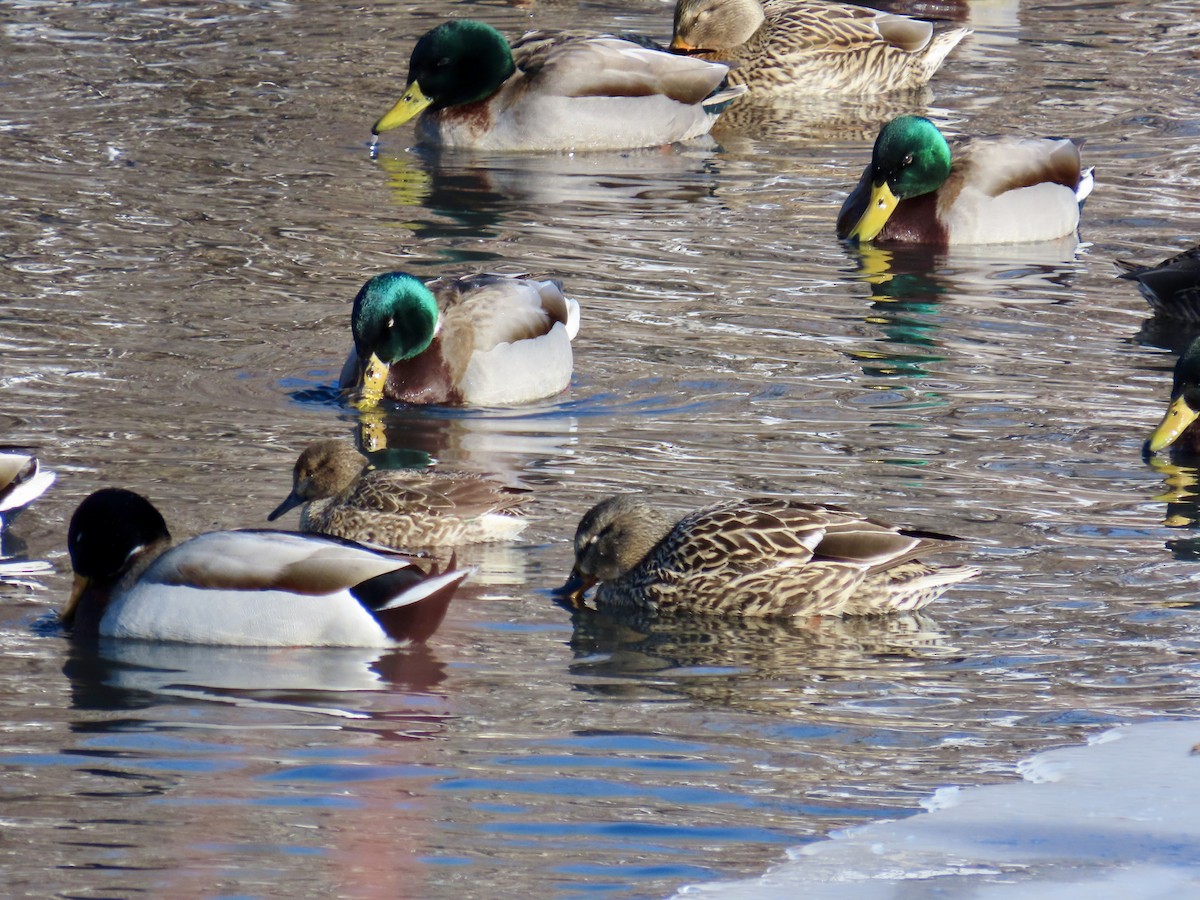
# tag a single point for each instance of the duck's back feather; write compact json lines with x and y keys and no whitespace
{"x":612,"y":67}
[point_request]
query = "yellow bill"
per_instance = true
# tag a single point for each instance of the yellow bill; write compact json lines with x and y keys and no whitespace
{"x":879,"y":210}
{"x":67,"y":614}
{"x":406,"y":108}
{"x":1179,"y":416}
{"x":374,"y":378}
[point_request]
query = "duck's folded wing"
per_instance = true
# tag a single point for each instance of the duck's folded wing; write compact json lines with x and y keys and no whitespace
{"x":611,"y":67}
{"x":745,"y":536}
{"x":811,"y":27}
{"x":272,"y":561}
{"x":498,"y":310}
{"x":997,"y":165}
{"x":400,"y":492}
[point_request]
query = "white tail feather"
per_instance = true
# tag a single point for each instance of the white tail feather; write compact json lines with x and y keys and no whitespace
{"x":428,"y":586}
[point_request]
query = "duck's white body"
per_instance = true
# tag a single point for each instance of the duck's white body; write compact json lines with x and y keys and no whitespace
{"x":265,"y":589}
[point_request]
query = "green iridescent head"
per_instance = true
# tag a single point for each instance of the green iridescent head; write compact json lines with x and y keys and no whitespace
{"x":395,"y":317}
{"x":458,"y":62}
{"x":911,"y":157}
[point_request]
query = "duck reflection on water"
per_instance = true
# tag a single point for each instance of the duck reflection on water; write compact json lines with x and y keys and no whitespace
{"x":343,"y":682}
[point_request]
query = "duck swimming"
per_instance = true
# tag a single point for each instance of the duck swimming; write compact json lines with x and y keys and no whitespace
{"x":804,"y":48}
{"x":248,"y":588}
{"x":483,"y":340}
{"x":550,"y":91}
{"x":400,"y":508}
{"x":754,"y":557}
{"x":990,"y":191}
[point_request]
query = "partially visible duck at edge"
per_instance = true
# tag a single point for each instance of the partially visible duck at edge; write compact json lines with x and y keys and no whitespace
{"x":247,"y":588}
{"x":1178,"y":430}
{"x":483,"y":340}
{"x":1171,"y":287}
{"x":409,"y":509}
{"x":22,"y":480}
{"x":989,"y":191}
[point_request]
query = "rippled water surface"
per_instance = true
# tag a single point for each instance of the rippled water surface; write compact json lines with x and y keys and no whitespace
{"x":188,"y":209}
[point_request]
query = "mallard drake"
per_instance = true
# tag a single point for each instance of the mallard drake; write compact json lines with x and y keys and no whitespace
{"x":806,"y":47}
{"x":1178,"y":429}
{"x":996,"y":191}
{"x":22,"y":481}
{"x":757,"y":557}
{"x":399,"y":508}
{"x":478,"y":339}
{"x":248,"y":588}
{"x":553,"y":92}
{"x":1172,"y":288}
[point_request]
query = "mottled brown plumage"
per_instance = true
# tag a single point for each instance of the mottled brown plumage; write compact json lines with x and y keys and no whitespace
{"x":399,"y":508}
{"x":756,"y":557}
{"x":804,"y":47}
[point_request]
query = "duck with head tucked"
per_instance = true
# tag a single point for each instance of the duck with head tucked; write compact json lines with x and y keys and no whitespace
{"x":401,"y":508}
{"x":990,"y":191}
{"x":483,"y":340}
{"x":755,"y":557}
{"x":1178,"y":429}
{"x":244,"y":588}
{"x":801,"y":48}
{"x":552,"y":91}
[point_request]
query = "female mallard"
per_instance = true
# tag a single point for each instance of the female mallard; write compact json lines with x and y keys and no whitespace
{"x":21,"y":481}
{"x":248,"y":588}
{"x":806,"y":47}
{"x":398,"y":508}
{"x":758,"y":557}
{"x":553,"y":92}
{"x":479,"y":339}
{"x":1178,"y":429}
{"x":996,"y":191}
{"x":1172,"y":288}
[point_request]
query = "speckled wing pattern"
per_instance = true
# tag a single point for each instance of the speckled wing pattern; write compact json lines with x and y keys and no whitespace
{"x":837,"y":46}
{"x":396,"y":508}
{"x":777,"y":557}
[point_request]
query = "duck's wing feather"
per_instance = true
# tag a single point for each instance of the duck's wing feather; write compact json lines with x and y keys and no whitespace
{"x":274,"y":561}
{"x":816,"y":26}
{"x":467,"y":496}
{"x":747,"y":535}
{"x":570,"y":66}
{"x":481,"y":311}
{"x":1000,"y":164}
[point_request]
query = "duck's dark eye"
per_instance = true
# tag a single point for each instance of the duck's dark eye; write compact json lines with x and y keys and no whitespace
{"x":444,"y":61}
{"x":907,"y":161}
